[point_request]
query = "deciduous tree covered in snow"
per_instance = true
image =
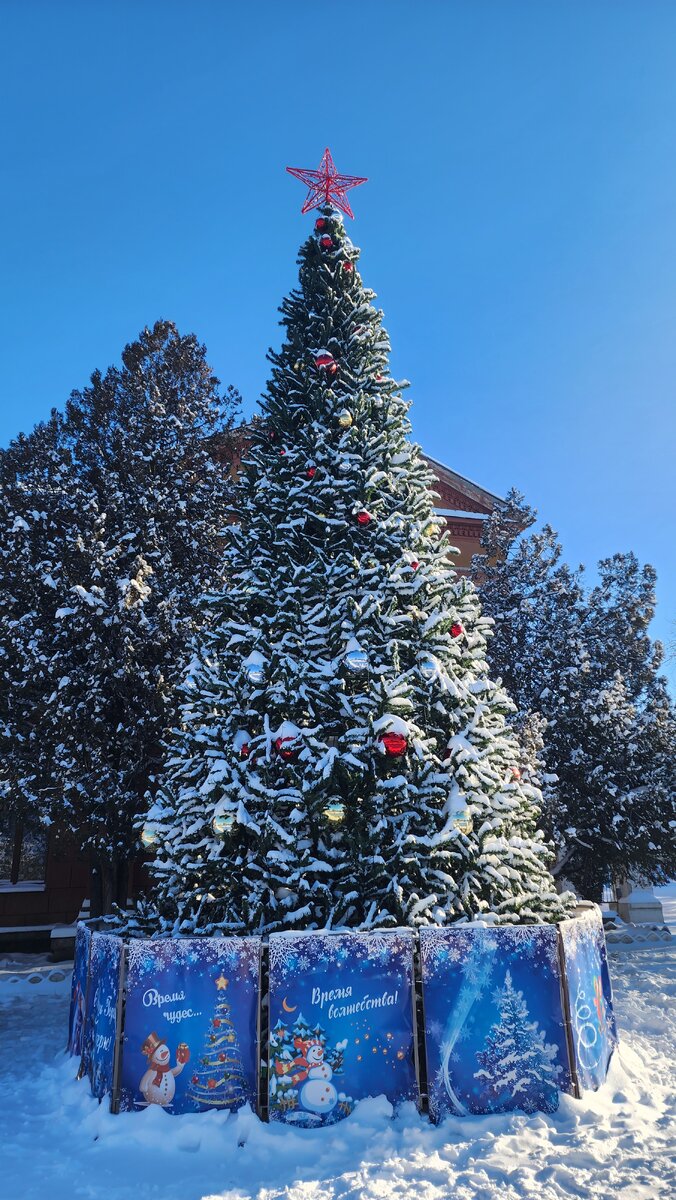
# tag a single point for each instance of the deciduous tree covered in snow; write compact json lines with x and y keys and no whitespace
{"x":580,"y":664}
{"x":113,"y":519}
{"x":343,"y":758}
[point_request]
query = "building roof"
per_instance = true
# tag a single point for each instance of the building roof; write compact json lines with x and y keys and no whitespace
{"x":459,"y":496}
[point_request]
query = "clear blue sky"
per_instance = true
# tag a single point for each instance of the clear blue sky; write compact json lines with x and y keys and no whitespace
{"x":519,"y":225}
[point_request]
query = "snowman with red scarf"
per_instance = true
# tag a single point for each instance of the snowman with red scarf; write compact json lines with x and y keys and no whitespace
{"x":318,"y":1094}
{"x":158,"y":1085}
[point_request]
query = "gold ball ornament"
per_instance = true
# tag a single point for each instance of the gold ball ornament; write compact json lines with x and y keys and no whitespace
{"x":149,"y":836}
{"x":335,"y":813}
{"x":345,"y":418}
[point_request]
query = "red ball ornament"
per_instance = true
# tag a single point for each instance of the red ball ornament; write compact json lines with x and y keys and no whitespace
{"x":287,"y":748}
{"x":311,"y":472}
{"x":415,"y":565}
{"x":364,"y":517}
{"x":348,"y":267}
{"x":211,"y":1084}
{"x":327,"y":363}
{"x":216,"y":1022}
{"x":221,"y":1058}
{"x":321,"y":223}
{"x":516,"y":773}
{"x":195,"y":1079}
{"x":456,"y":629}
{"x":395,"y":744}
{"x":244,"y":750}
{"x":282,"y":452}
{"x":326,"y":242}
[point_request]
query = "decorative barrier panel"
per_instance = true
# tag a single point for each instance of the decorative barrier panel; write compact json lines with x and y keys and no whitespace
{"x":341,"y":1023}
{"x":510,"y":1017}
{"x":190,"y":1032}
{"x":495,"y":1033}
{"x":594,"y":1033}
{"x":78,"y":991}
{"x":100,"y":1035}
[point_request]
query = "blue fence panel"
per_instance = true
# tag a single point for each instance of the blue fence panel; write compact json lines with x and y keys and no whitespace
{"x":341,"y":1023}
{"x":594,"y":1033}
{"x":494,"y":1024}
{"x":98,"y":1048}
{"x":78,"y":989}
{"x":190,"y":1035}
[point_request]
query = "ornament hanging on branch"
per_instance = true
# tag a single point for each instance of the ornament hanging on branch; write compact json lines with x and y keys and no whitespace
{"x":428,"y":666}
{"x":460,"y":814}
{"x":288,"y":741}
{"x":326,"y":242}
{"x":355,"y":657}
{"x":287,"y":748}
{"x":345,"y":418}
{"x":150,"y":835}
{"x":241,"y":742}
{"x":335,"y":812}
{"x":395,"y":745}
{"x":456,"y":629}
{"x":223,"y":823}
{"x":320,"y":223}
{"x":364,"y":517}
{"x":311,"y":472}
{"x":326,"y":362}
{"x":348,"y":268}
{"x":254,"y":667}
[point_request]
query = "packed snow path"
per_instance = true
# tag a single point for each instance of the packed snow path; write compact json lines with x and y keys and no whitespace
{"x":617,"y":1143}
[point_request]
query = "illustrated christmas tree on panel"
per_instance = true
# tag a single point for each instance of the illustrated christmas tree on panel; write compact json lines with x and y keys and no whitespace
{"x":517,"y":1062}
{"x":218,"y":1080}
{"x":344,"y":759}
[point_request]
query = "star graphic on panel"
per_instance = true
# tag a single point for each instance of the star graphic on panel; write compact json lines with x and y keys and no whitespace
{"x":221,"y":982}
{"x":326,"y":185}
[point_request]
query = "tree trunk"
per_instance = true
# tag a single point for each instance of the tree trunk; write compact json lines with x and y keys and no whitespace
{"x":95,"y":895}
{"x":108,"y":886}
{"x":122,"y":873}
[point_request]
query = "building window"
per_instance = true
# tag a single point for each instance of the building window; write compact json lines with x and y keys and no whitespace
{"x":23,"y":853}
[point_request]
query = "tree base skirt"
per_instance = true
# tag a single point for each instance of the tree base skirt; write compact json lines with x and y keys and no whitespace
{"x":462,"y":1020}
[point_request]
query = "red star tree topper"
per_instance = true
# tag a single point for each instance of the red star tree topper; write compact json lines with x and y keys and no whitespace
{"x":326,"y":185}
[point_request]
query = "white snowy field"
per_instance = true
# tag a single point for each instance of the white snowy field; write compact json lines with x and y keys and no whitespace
{"x":59,"y":1144}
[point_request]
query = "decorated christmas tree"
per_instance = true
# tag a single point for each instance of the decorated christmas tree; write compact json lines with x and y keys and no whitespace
{"x":218,"y":1079}
{"x":343,"y":759}
{"x":517,"y":1062}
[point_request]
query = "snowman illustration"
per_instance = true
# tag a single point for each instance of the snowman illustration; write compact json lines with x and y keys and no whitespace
{"x":158,"y":1085}
{"x":318,"y":1094}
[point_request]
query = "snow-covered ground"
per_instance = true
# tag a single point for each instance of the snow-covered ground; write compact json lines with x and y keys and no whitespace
{"x":58,"y":1144}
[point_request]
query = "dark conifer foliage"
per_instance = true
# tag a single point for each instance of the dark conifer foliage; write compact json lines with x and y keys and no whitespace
{"x":583,"y":670}
{"x":114,"y":518}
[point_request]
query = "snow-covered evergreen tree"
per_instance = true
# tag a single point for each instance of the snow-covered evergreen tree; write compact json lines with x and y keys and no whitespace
{"x":118,"y":527}
{"x":343,"y":757}
{"x":581,"y":665}
{"x":37,"y":503}
{"x":517,"y":1064}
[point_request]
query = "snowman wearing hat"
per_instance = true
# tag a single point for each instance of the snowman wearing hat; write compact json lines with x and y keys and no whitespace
{"x":158,"y":1083}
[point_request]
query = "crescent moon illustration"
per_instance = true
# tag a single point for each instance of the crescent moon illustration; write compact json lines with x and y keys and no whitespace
{"x":288,"y":1007}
